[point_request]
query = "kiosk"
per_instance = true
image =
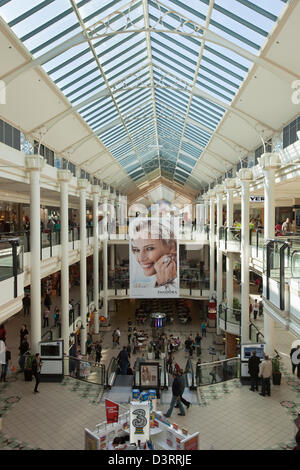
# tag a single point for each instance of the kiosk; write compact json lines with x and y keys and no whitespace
{"x":246,"y":353}
{"x":52,"y":357}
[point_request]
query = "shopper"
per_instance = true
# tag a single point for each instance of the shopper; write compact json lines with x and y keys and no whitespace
{"x":297,"y":439}
{"x":203,"y":328}
{"x":198,"y":372}
{"x":26,"y":305}
{"x":182,"y":381}
{"x":5,"y":366}
{"x":253,"y":370}
{"x":114,"y":339}
{"x":2,"y":333}
{"x":198,"y":339}
{"x":24,"y":348}
{"x":260,"y":308}
{"x":189,"y":346}
{"x":295,"y":361}
{"x":265,"y":372}
{"x":213,"y":374}
{"x":255,"y":309}
{"x":98,"y":350}
{"x":286,"y":226}
{"x":89,"y":345}
{"x":47,"y":301}
{"x":46,"y":317}
{"x":118,"y":335}
{"x":170,"y":363}
{"x":36,"y":370}
{"x":176,"y":388}
{"x":123,"y":360}
{"x":23,"y":332}
{"x":56,"y":315}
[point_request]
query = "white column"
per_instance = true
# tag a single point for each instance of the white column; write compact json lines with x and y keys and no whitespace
{"x":219,"y":191}
{"x":82,"y":185}
{"x":64,"y":177}
{"x":104,"y":254}
{"x":229,"y":184}
{"x":35,"y":163}
{"x":112,"y":257}
{"x":96,"y":191}
{"x":212,"y":245}
{"x":269,"y":162}
{"x":245,"y":176}
{"x":206,"y":210}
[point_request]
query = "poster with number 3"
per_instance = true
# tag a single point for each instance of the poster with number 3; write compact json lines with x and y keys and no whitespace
{"x":139,"y":422}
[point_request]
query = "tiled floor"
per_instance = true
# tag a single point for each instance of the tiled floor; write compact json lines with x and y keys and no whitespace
{"x":229,"y":416}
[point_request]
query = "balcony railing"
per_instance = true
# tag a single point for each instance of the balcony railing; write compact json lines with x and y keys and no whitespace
{"x":230,"y":316}
{"x":281,"y":263}
{"x":11,"y":261}
{"x":217,"y":372}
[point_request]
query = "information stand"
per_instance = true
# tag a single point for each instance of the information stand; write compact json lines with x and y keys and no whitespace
{"x":52,"y":357}
{"x":246,"y":353}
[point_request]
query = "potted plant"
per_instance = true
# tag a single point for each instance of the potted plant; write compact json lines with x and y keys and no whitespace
{"x":150,"y":352}
{"x":28,"y":368}
{"x":163,"y":351}
{"x":276,"y":371}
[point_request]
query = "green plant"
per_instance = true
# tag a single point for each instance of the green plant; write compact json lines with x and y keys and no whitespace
{"x":276,"y":365}
{"x":150,"y":349}
{"x":236,"y":304}
{"x":28,"y":361}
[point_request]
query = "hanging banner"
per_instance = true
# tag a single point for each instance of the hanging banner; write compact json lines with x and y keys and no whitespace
{"x":112,"y":411}
{"x":139,"y":422}
{"x":154,"y":253}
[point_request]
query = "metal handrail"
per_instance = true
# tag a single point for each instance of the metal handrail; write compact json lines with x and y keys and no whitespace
{"x":93,"y":364}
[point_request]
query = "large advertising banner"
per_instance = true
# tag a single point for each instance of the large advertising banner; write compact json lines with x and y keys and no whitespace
{"x":154,"y":256}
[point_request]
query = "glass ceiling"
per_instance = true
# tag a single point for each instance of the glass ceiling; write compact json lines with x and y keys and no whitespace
{"x":146,"y":57}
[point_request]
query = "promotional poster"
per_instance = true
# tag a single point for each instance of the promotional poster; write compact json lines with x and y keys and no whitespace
{"x":154,"y":258}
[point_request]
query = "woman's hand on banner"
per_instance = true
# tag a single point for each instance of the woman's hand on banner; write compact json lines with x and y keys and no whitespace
{"x":166,"y":269}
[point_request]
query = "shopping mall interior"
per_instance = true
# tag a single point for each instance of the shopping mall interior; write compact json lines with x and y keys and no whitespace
{"x":149,"y":224}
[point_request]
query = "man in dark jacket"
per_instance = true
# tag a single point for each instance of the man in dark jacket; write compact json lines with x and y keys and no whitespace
{"x":26,"y":304}
{"x":181,"y":378}
{"x":176,"y":390}
{"x":294,"y":359}
{"x":253,"y":369}
{"x":123,"y":360}
{"x":23,"y":349}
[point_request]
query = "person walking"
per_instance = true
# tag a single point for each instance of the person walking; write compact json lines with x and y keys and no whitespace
{"x":118,"y":335}
{"x":295,"y":359}
{"x":198,"y":339}
{"x":203,"y":328}
{"x":26,"y":304}
{"x":36,"y":370}
{"x":98,"y":350}
{"x":5,"y":366}
{"x":213,"y":374}
{"x":23,"y":332}
{"x":181,"y":378}
{"x":253,"y":370}
{"x":189,"y":345}
{"x":114,"y":339}
{"x":47,"y":301}
{"x":265,"y":372}
{"x":56,"y":316}
{"x":24,"y":348}
{"x":198,"y":372}
{"x":286,"y":226}
{"x":255,"y":309}
{"x":260,"y":308}
{"x":46,"y":317}
{"x":123,"y":360}
{"x":176,"y":387}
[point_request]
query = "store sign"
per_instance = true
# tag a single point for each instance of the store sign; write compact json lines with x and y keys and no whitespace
{"x":112,"y":411}
{"x":257,"y":199}
{"x":139,"y":422}
{"x":154,"y":260}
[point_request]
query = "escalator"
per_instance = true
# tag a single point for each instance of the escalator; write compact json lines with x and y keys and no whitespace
{"x":190,"y":391}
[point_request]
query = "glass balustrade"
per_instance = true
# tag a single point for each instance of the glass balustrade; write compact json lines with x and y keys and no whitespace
{"x":217,"y":372}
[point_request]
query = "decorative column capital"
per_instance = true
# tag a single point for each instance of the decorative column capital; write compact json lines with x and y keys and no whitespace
{"x":269,"y":161}
{"x":82,"y":184}
{"x":245,"y":174}
{"x":229,"y":183}
{"x":64,"y":175}
{"x":219,"y":189}
{"x":211,"y":193}
{"x":34,"y":162}
{"x":96,"y":190}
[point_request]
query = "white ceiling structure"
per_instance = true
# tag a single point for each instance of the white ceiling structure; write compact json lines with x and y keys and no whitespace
{"x":148,"y":95}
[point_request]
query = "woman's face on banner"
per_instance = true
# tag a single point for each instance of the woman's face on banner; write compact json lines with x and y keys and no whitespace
{"x":148,"y":252}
